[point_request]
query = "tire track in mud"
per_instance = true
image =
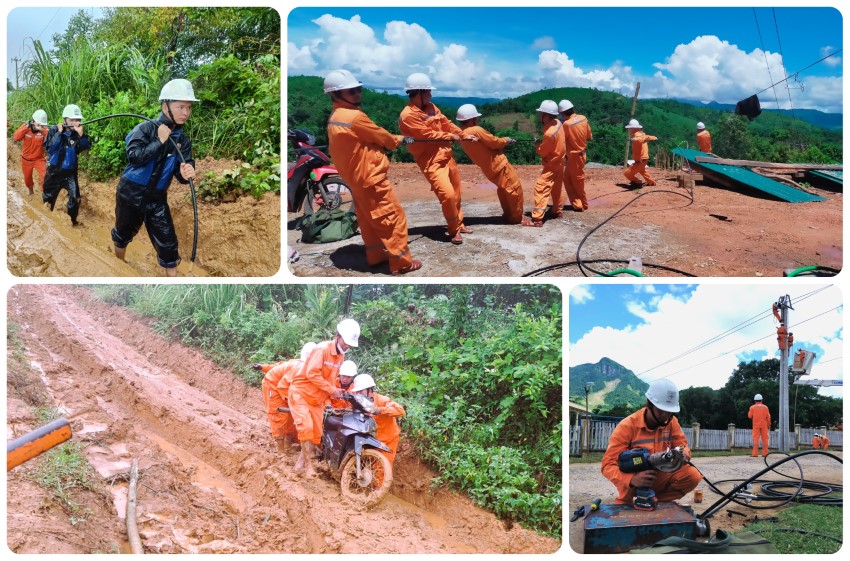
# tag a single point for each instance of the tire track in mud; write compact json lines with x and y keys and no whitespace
{"x":211,"y":482}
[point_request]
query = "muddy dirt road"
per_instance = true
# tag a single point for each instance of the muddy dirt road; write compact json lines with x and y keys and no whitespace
{"x":722,"y":233}
{"x":587,"y":484}
{"x":209,"y":479}
{"x":235,"y":239}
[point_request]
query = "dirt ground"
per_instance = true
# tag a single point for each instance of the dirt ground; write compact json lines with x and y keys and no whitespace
{"x":240,"y":238}
{"x":210,"y":481}
{"x":722,"y":233}
{"x":587,"y":484}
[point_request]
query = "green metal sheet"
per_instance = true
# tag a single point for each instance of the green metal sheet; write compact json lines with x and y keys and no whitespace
{"x":834,"y":176}
{"x":750,"y":178}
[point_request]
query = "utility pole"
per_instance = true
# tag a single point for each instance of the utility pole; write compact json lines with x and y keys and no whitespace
{"x":587,"y":416}
{"x":785,"y":340}
{"x":16,"y":60}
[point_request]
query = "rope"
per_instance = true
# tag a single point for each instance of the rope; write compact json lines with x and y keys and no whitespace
{"x":180,"y":154}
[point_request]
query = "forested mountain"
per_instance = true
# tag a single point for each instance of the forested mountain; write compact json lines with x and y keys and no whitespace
{"x":770,"y":137}
{"x":610,"y":385}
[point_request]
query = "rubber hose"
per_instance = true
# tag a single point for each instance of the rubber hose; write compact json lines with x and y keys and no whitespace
{"x":618,"y":271}
{"x":191,"y":183}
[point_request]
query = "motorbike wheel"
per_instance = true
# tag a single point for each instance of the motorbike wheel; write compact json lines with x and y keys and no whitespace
{"x":335,"y":192}
{"x":375,"y":479}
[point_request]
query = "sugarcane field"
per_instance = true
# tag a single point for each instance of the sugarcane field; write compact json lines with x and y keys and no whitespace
{"x":198,"y":89}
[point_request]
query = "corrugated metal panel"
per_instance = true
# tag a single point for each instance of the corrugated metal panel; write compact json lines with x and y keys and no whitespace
{"x":750,"y":178}
{"x":834,"y":176}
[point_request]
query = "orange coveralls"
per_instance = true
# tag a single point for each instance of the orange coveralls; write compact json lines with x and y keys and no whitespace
{"x":552,"y":150}
{"x":388,"y":431}
{"x":281,"y":424}
{"x":435,"y":159}
{"x":311,"y":387}
{"x":760,"y":415}
{"x":820,"y":442}
{"x":576,"y":134}
{"x":32,"y":154}
{"x":632,"y":432}
{"x":357,"y":145}
{"x":640,"y":154}
{"x":487,"y":154}
{"x":704,"y":141}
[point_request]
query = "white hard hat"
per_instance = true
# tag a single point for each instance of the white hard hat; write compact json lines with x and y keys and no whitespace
{"x":40,"y":117}
{"x":361,"y":382}
{"x":349,"y":330}
{"x":700,"y":125}
{"x":177,"y":90}
{"x":664,"y":394}
{"x":565,"y":105}
{"x":548,"y":106}
{"x":633,"y":124}
{"x":757,"y":397}
{"x":341,"y":79}
{"x":418,"y":81}
{"x":72,"y":112}
{"x":306,"y":350}
{"x":466,"y":112}
{"x":348,"y":368}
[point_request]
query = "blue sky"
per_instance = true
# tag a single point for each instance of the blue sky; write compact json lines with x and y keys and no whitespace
{"x":708,"y":54}
{"x":644,"y":326}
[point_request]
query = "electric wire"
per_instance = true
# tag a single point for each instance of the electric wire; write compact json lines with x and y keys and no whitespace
{"x":803,"y":70}
{"x":183,"y":160}
{"x":782,"y":55}
{"x":764,"y":52}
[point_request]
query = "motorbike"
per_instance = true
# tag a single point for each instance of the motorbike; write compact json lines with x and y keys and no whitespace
{"x":352,"y":453}
{"x":312,"y":182}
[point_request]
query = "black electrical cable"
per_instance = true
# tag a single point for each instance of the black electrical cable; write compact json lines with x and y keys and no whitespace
{"x":799,"y":531}
{"x":546,"y":269}
{"x":180,"y":154}
{"x":784,"y":498}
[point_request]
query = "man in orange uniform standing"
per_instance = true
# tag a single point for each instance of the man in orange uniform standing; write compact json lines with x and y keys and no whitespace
{"x":422,"y":120}
{"x":385,"y":412}
{"x":640,"y":153}
{"x":576,"y":134}
{"x":313,"y":385}
{"x":703,"y":139}
{"x":32,"y":149}
{"x":281,"y":424}
{"x":760,"y":415}
{"x":551,"y":149}
{"x":357,"y":145}
{"x":488,"y":155}
{"x":655,"y":428}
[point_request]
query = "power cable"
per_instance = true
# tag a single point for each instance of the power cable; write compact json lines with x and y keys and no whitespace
{"x":803,"y":70}
{"x":764,"y":52}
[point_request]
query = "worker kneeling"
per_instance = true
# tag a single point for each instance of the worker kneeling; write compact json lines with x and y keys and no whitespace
{"x":655,"y":429}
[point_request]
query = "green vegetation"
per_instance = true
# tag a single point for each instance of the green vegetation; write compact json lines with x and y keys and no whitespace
{"x":628,"y":392}
{"x":804,"y":529}
{"x":62,"y":471}
{"x":231,"y":56}
{"x":773,"y":137}
{"x":477,"y":367}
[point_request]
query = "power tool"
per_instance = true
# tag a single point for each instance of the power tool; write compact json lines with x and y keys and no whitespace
{"x":641,"y":459}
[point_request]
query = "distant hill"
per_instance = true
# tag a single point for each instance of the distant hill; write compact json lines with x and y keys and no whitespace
{"x":610,"y":384}
{"x":772,"y":137}
{"x":833,"y":121}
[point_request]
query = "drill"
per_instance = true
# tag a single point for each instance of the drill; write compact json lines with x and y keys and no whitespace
{"x":640,"y":459}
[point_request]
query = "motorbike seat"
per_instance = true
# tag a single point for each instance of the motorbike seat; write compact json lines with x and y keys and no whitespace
{"x":333,"y":422}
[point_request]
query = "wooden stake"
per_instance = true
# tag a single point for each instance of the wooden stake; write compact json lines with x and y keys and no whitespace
{"x":634,"y":103}
{"x":132,"y":527}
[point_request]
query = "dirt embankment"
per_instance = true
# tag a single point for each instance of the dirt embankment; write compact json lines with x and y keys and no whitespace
{"x":210,"y":480}
{"x":235,"y":239}
{"x":721,"y":233}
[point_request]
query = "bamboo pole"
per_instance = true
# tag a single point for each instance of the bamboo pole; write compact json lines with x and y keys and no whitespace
{"x":132,"y":527}
{"x":632,"y":116}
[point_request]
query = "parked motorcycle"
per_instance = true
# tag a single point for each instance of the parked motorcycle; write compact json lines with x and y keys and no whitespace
{"x":311,"y":180}
{"x":352,"y":452}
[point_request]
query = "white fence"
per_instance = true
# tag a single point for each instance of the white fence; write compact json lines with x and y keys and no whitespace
{"x":599,"y":433}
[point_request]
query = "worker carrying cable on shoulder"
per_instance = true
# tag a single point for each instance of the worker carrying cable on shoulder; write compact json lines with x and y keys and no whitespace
{"x":152,"y":162}
{"x":640,"y":154}
{"x":64,"y":143}
{"x":655,"y":428}
{"x":488,"y":154}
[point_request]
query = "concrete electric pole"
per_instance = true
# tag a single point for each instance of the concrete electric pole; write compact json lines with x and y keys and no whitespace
{"x":783,"y":305}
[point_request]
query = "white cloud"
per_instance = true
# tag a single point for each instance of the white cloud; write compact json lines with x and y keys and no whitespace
{"x":299,"y":60}
{"x":558,"y":70}
{"x":672,"y":325}
{"x":833,"y":61}
{"x":581,"y":294}
{"x":545,"y":42}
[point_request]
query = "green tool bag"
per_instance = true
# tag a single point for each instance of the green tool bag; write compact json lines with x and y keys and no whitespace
{"x":722,"y":542}
{"x":324,"y":226}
